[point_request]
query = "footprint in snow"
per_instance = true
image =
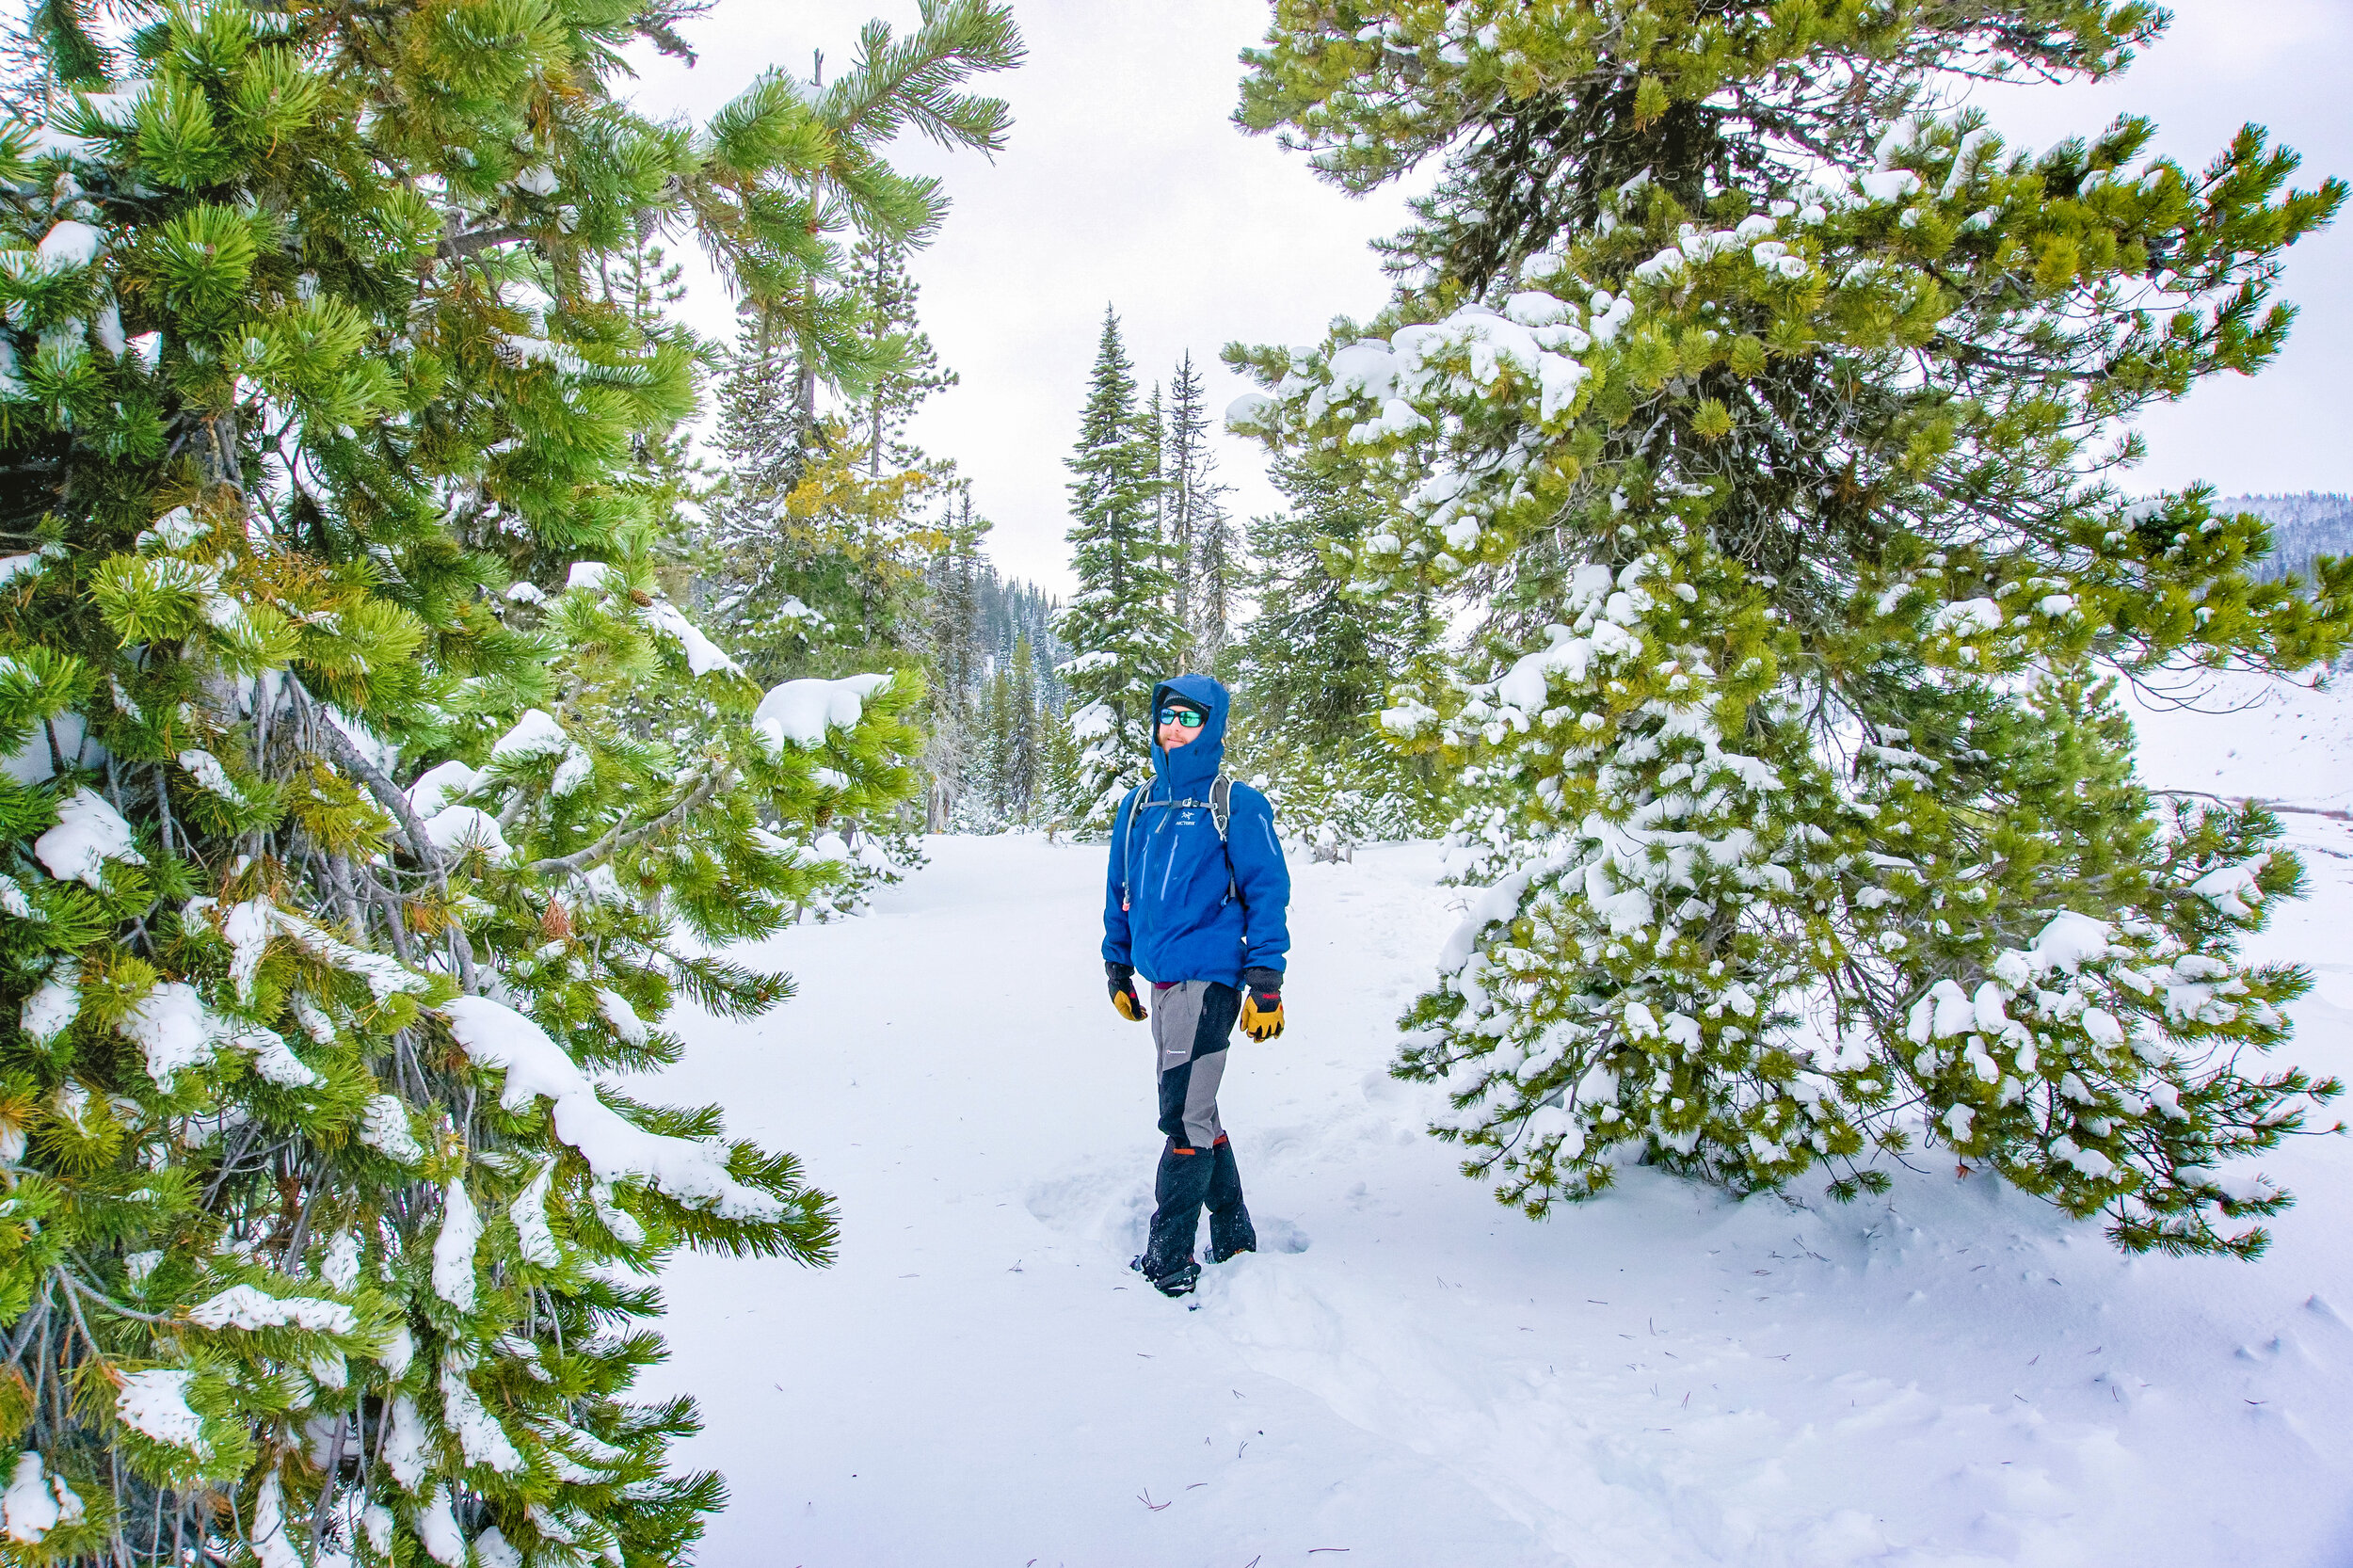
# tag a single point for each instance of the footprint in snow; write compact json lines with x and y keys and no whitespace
{"x":1279,"y":1236}
{"x":1102,"y":1205}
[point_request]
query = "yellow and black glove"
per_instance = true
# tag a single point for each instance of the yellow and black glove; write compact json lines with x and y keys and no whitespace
{"x":1262,"y":1003}
{"x":1123,"y":997}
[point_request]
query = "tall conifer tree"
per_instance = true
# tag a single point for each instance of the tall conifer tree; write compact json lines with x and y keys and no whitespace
{"x":1119,"y":626}
{"x":879,"y":277}
{"x":1317,"y":663}
{"x":1774,"y":407}
{"x":370,"y":799}
{"x":1200,"y":531}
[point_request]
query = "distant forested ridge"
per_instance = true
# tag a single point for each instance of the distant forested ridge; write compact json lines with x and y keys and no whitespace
{"x":1005,"y":611}
{"x":2302,"y":526}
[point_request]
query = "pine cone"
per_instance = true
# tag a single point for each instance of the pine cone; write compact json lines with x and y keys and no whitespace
{"x":557,"y":922}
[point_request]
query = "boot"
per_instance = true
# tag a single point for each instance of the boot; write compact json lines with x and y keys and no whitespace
{"x":1230,"y":1230}
{"x":1180,"y":1185}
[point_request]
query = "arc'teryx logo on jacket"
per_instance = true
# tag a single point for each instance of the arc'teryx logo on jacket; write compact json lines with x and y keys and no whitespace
{"x":1172,"y":908}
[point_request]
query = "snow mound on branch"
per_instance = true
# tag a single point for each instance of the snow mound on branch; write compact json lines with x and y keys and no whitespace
{"x":534,"y":1236}
{"x":271,"y":1546}
{"x":689,"y":1171}
{"x":48,"y":1011}
{"x":1367,"y":368}
{"x":386,"y":1130}
{"x":440,"y":786}
{"x":2231,"y":888}
{"x":1494,"y":344}
{"x":43,"y":142}
{"x":248,"y":928}
{"x":1534,"y":308}
{"x":35,"y":1503}
{"x":454,"y":1248}
{"x":535,"y":734}
{"x":69,"y":244}
{"x":155,"y":1404}
{"x":1250,"y":411}
{"x":2069,"y":942}
{"x":480,"y":1437}
{"x":404,"y":1443}
{"x":463,"y":827}
{"x":702,"y":654}
{"x":242,"y":1307}
{"x":168,"y":1026}
{"x":802,"y":710}
{"x":89,"y":833}
{"x":437,"y":1527}
{"x":621,"y":1016}
{"x":209,"y":774}
{"x":1889,"y":184}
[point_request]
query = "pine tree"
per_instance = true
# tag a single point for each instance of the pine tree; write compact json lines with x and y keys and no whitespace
{"x":1121,"y":633}
{"x":954,"y":659}
{"x":1775,"y":410}
{"x":1023,"y":756}
{"x":752,"y":551}
{"x":1061,"y":772}
{"x":987,"y":780}
{"x":1316,"y":664}
{"x":1199,"y":529}
{"x":879,"y":275}
{"x":824,"y":528}
{"x":837,"y":580}
{"x":1218,"y":570}
{"x":346,"y":860}
{"x":1010,"y":611}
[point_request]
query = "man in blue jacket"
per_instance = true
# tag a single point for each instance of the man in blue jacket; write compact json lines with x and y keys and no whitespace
{"x":1196,"y":899}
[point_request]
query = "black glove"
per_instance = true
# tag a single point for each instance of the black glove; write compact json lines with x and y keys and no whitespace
{"x":1123,"y":997}
{"x":1262,"y":1003}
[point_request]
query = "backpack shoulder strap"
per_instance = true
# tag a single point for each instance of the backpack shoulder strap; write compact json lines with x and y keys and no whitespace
{"x":1126,"y":818}
{"x":1220,"y":812}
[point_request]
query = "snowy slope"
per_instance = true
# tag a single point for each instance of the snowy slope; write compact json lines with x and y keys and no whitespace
{"x":2235,"y":733}
{"x":1954,"y":1375}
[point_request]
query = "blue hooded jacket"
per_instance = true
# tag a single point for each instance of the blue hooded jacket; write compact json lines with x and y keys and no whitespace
{"x":1174,"y":909}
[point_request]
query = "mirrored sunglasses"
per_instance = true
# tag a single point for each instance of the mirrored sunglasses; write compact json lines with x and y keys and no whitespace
{"x":1191,"y":718}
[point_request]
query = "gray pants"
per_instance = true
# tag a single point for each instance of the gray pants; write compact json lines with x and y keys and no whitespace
{"x":1192,"y":1022}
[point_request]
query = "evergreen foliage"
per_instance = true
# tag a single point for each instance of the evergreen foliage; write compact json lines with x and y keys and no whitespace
{"x":1200,"y":530}
{"x":762,"y":443}
{"x":952,"y":609}
{"x":829,"y":533}
{"x":1773,"y":407}
{"x":2304,"y":528}
{"x":1315,"y":665}
{"x":992,"y":692}
{"x":322,"y":1242}
{"x":1119,"y":626}
{"x":1009,"y":612}
{"x":880,"y":280}
{"x":1005,"y":766}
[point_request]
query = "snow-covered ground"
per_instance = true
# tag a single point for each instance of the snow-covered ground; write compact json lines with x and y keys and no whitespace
{"x":1411,"y":1375}
{"x":2236,"y":733}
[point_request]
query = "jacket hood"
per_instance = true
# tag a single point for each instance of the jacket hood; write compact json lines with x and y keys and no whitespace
{"x":1188,"y":771}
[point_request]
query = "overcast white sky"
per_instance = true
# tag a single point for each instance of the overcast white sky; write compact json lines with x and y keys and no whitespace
{"x":1125,"y":184}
